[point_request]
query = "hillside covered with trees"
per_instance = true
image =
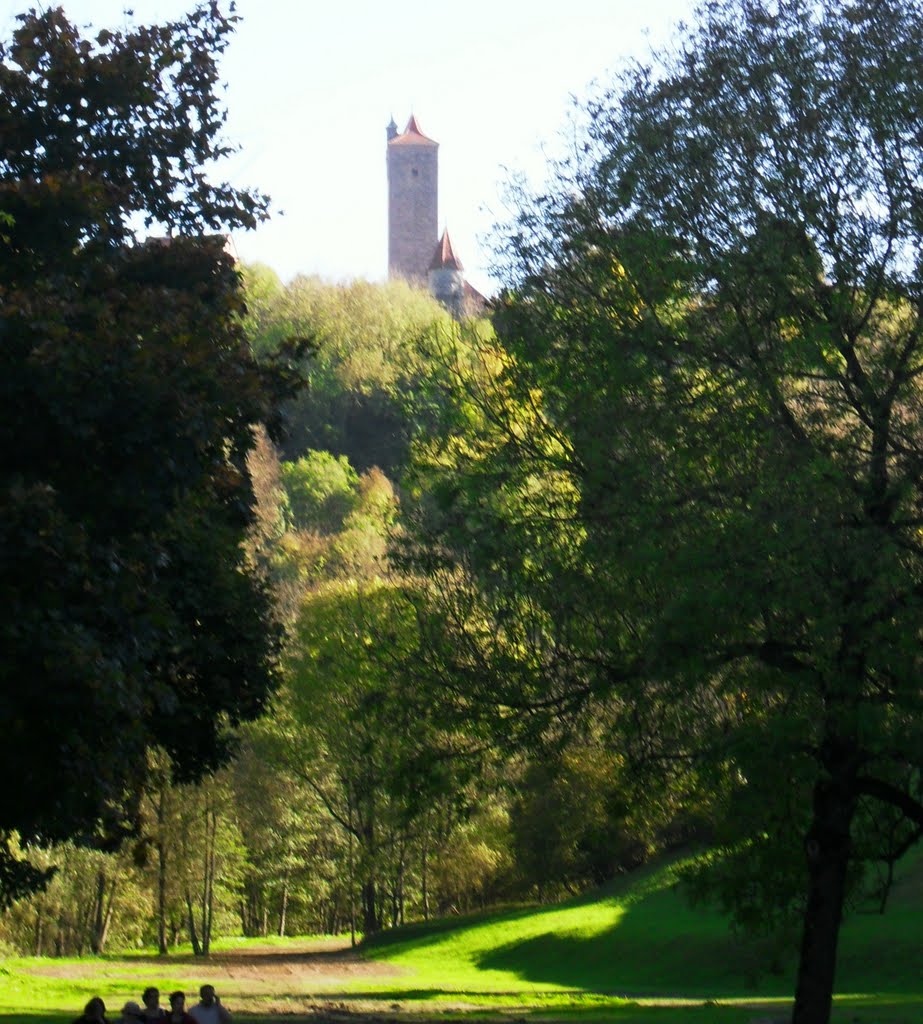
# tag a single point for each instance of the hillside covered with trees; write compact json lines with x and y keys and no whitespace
{"x":347,"y":614}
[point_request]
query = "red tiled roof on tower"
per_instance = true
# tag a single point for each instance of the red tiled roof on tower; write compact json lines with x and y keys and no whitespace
{"x":444,"y":258}
{"x":474,"y":298}
{"x":412,"y":136}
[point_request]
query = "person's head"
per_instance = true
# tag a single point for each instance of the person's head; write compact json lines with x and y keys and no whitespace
{"x":95,"y":1009}
{"x":131,"y":1011}
{"x":177,"y":1001}
{"x":151,"y":997}
{"x":207,"y":994}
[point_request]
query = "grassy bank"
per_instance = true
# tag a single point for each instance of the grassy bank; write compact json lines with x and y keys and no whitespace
{"x":641,"y":938}
{"x":634,"y":951}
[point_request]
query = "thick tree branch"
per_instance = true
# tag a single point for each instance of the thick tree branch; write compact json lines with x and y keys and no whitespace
{"x":887,"y":793}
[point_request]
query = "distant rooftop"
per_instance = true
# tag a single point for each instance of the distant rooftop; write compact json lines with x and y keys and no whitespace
{"x":444,"y":258}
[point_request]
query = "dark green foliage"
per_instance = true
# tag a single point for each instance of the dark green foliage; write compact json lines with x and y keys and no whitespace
{"x":704,"y":470}
{"x":128,"y":404}
{"x":570,"y":824}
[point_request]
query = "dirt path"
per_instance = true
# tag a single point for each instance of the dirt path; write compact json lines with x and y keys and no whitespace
{"x":329,"y":961}
{"x":318,"y":977}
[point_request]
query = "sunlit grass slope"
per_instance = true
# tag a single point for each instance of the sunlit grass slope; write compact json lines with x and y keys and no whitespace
{"x":632,"y":952}
{"x":640,"y":938}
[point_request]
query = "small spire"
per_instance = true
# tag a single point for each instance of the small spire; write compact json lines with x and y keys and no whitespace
{"x":444,"y":258}
{"x":391,"y":128}
{"x":412,"y":136}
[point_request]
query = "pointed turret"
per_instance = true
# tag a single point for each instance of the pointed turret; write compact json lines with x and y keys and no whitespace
{"x":391,"y":129}
{"x":444,"y":258}
{"x":446,"y":281}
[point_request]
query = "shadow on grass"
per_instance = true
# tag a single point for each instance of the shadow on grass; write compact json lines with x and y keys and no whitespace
{"x":660,"y":945}
{"x":848,"y":1010}
{"x":624,"y":1013}
{"x":625,"y":889}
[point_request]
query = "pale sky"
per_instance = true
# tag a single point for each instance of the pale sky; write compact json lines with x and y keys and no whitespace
{"x":313,"y":83}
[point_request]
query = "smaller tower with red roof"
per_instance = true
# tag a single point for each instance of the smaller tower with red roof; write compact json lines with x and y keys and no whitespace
{"x":446,"y":277}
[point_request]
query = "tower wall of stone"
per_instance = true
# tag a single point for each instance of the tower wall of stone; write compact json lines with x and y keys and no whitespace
{"x":447,"y":285}
{"x":412,"y":209}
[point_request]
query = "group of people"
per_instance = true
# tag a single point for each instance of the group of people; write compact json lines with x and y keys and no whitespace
{"x":208,"y":1010}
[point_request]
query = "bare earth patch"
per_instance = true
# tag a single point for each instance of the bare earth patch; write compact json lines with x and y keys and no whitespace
{"x":310,"y":977}
{"x":327,"y":961}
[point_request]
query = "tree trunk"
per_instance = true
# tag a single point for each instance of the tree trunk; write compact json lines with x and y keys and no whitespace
{"x":424,"y":881}
{"x":193,"y":934}
{"x":162,"y":946}
{"x":284,"y":910}
{"x":203,"y":892}
{"x":398,"y":910}
{"x":369,"y":906}
{"x":352,"y":874}
{"x":827,"y":850}
{"x":85,"y":924}
{"x":372,"y":911}
{"x":98,"y":911}
{"x":393,"y":897}
{"x":102,"y":933}
{"x":208,"y":886}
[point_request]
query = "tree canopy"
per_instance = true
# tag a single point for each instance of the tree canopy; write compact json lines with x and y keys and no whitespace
{"x":129,"y":402}
{"x":694,"y":509}
{"x":373,"y":347}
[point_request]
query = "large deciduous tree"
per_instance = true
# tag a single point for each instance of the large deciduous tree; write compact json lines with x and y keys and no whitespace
{"x":715,"y":325}
{"x":129,"y":399}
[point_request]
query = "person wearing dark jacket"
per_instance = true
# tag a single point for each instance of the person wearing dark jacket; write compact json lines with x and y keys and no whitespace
{"x":177,"y":1014}
{"x":93,"y":1013}
{"x":153,"y":1012}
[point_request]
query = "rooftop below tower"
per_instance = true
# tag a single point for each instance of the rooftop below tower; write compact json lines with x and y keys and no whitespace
{"x":444,"y":257}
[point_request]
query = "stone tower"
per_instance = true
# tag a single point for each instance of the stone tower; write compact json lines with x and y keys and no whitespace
{"x":446,"y":277}
{"x":412,"y":202}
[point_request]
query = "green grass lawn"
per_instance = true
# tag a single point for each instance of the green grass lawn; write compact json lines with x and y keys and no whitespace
{"x":642,"y":941}
{"x":634,"y":951}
